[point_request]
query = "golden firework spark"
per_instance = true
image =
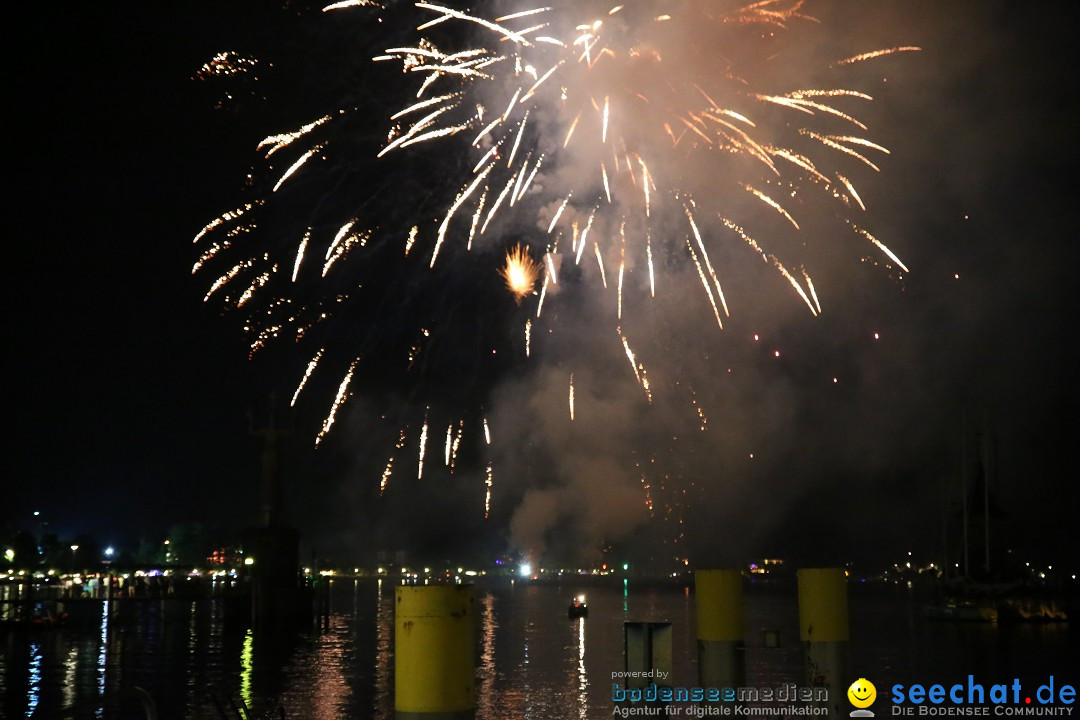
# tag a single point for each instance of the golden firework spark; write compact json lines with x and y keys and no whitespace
{"x":520,"y":272}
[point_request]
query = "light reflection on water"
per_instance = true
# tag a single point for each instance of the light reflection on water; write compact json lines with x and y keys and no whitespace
{"x":533,"y":662}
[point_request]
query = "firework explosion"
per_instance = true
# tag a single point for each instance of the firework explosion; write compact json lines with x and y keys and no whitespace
{"x":602,"y":139}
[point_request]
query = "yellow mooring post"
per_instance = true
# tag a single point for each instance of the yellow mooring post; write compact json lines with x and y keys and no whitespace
{"x":823,"y":628}
{"x":718,"y":600}
{"x":434,"y":653}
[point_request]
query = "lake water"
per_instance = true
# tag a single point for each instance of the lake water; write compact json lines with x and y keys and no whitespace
{"x":533,"y":662}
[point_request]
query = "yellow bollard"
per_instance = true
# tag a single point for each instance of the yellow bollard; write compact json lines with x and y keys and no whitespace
{"x":434,"y":653}
{"x":823,"y":628}
{"x":718,"y":600}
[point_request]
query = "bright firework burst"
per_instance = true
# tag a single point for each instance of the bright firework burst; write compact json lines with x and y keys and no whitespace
{"x":587,"y":132}
{"x":520,"y":272}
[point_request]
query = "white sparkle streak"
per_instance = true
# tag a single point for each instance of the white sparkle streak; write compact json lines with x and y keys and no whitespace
{"x":646,"y":181}
{"x":227,"y":217}
{"x":487,"y":432}
{"x":771,"y":203}
{"x":652,"y":277}
{"x":523,"y":13}
{"x":488,"y":482}
{"x":571,"y":399}
{"x":476,"y":217}
{"x":341,"y":233}
{"x":517,"y":140}
{"x":307,"y":374}
{"x":877,"y":54}
{"x":342,"y":394}
{"x":462,"y":196}
{"x":520,"y":179}
{"x":447,"y":12}
{"x":457,"y":443}
{"x":638,"y":368}
{"x":390,"y":463}
{"x":813,"y":293}
{"x":449,"y":442}
{"x":600,"y":262}
{"x":424,"y":104}
{"x":622,"y":270}
{"x":603,"y":132}
{"x":833,"y":142}
{"x":558,"y":213}
{"x":350,"y":3}
{"x":570,"y":132}
{"x":622,"y":264}
{"x":543,"y":77}
{"x":549,"y":259}
{"x":708,"y":263}
{"x":296,"y":165}
{"x":528,"y":182}
{"x":584,"y":234}
{"x":705,"y":283}
{"x":284,"y":139}
{"x":851,"y":190}
{"x":880,"y":246}
{"x":528,"y":336}
{"x":300,"y":254}
{"x":543,"y":294}
{"x":498,"y":201}
{"x":423,"y":447}
{"x":412,"y":132}
{"x":795,"y":284}
{"x":630,"y":356}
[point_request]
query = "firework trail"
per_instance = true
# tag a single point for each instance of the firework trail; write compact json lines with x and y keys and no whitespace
{"x":666,"y":129}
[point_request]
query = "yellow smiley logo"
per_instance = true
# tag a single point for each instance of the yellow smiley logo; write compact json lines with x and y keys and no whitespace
{"x":862,"y":693}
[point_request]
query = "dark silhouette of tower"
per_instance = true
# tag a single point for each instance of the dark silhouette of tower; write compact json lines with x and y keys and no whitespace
{"x":271,"y":547}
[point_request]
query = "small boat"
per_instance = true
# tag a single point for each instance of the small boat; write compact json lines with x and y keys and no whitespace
{"x":578,"y":608}
{"x":962,"y":610}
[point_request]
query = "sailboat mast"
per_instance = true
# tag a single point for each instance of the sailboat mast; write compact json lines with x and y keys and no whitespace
{"x":986,"y":486}
{"x":963,"y":486}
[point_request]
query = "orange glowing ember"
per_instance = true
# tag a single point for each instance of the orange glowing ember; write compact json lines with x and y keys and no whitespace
{"x":520,"y":272}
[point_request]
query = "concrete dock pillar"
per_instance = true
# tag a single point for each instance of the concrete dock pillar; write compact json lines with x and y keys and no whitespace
{"x":823,"y":628}
{"x":434,"y":653}
{"x":718,"y":599}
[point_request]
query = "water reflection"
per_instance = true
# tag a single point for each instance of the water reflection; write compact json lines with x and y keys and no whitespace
{"x":330,"y":694}
{"x":384,"y":626}
{"x":102,"y":655}
{"x":533,"y":662}
{"x":70,"y":666}
{"x":247,"y":667}
{"x":486,"y":695}
{"x":583,"y":678}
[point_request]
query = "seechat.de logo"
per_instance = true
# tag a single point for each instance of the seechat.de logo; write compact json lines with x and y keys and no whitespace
{"x":862,"y":694}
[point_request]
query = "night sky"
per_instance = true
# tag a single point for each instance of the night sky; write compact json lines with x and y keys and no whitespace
{"x":128,"y":397}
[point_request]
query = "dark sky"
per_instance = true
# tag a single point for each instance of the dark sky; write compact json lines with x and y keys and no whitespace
{"x":127,"y":395}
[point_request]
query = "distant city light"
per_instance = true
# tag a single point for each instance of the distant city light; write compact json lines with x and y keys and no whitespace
{"x":251,"y":561}
{"x":109,"y":551}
